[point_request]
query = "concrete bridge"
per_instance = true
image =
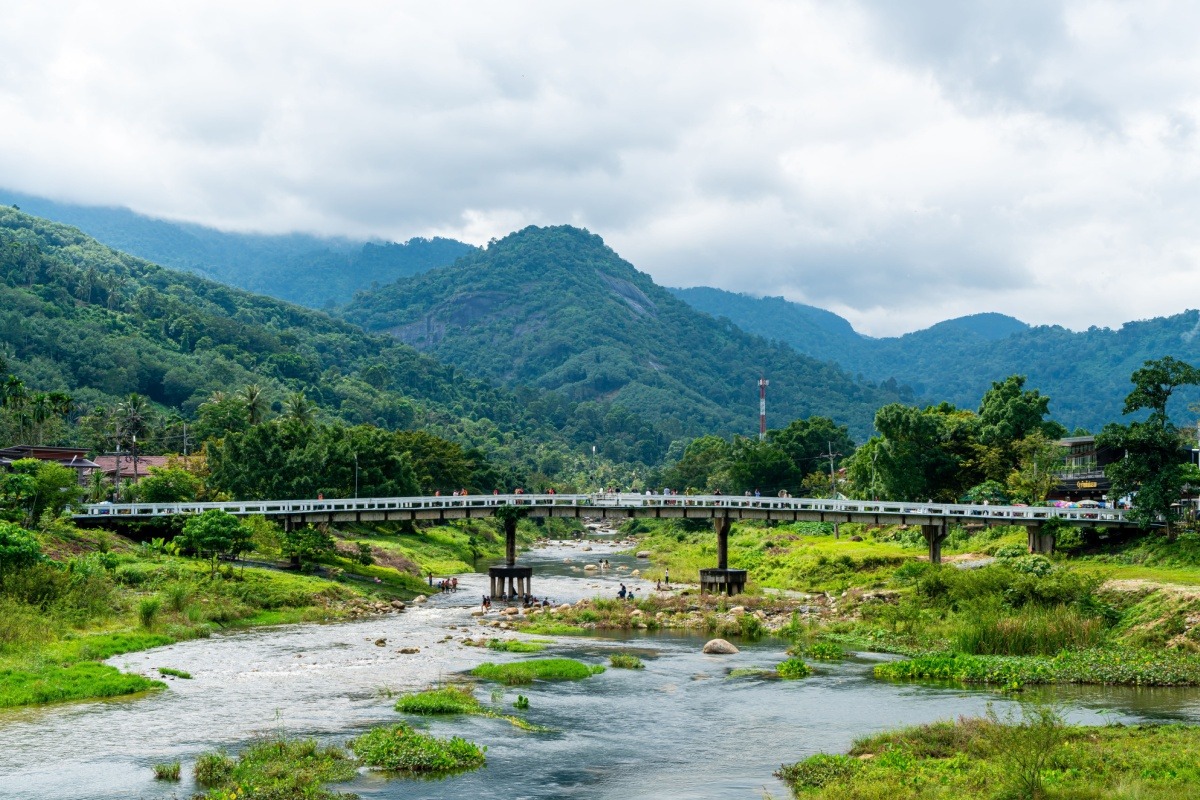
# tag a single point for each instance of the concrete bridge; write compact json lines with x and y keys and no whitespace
{"x":934,"y":518}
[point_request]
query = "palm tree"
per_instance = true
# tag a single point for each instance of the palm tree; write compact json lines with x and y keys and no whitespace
{"x":256,"y":403}
{"x":298,"y":408}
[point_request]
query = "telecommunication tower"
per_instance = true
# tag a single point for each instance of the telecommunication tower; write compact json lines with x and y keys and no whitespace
{"x":762,"y":408}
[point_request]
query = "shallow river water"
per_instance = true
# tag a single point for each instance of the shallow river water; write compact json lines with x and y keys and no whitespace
{"x":678,"y":729}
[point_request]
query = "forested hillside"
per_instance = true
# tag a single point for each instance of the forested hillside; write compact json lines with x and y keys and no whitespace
{"x":308,"y":270}
{"x":555,"y":309}
{"x":1086,"y":373}
{"x":80,"y":318}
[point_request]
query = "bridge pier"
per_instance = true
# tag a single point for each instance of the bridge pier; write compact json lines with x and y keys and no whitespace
{"x":934,"y":535}
{"x":722,"y":580}
{"x":1040,"y":542}
{"x":510,"y":580}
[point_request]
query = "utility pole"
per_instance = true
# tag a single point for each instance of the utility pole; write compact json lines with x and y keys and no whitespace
{"x":356,"y":476}
{"x":832,"y":476}
{"x":762,"y":408}
{"x":185,"y":441}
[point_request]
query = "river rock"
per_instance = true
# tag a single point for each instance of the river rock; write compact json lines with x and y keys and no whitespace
{"x":737,"y":611}
{"x":719,"y":647}
{"x":381,"y":642}
{"x":587,"y":549}
{"x":643,"y":553}
{"x":478,"y":612}
{"x":408,"y":651}
{"x":564,"y":608}
{"x":510,"y":611}
{"x":590,"y":568}
{"x":419,"y":599}
{"x":398,"y":605}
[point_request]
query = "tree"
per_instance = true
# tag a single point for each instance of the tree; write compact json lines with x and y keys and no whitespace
{"x":307,"y":544}
{"x":215,"y":532}
{"x":1153,"y":467}
{"x":255,"y":402}
{"x":1039,"y":460}
{"x":168,"y":485}
{"x":808,"y":442}
{"x":34,"y":487}
{"x":703,"y":466}
{"x":18,"y":548}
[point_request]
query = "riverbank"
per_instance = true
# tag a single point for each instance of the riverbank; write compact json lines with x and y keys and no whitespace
{"x":94,"y":595}
{"x":1034,"y":755}
{"x":993,"y":615}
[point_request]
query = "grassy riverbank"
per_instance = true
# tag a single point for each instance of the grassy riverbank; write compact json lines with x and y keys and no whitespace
{"x":1034,"y":756}
{"x":1010,"y":620}
{"x":94,"y":594}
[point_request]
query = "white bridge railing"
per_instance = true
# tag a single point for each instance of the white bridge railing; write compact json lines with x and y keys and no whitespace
{"x":464,"y":504}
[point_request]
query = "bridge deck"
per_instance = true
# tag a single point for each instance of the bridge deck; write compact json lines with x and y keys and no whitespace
{"x":619,"y":505}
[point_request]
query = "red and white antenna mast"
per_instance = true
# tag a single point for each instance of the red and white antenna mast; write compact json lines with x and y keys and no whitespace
{"x":762,"y":408}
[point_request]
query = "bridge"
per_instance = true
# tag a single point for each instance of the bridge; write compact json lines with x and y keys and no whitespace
{"x":721,"y":510}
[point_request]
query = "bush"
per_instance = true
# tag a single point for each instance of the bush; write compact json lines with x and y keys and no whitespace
{"x":399,"y":748}
{"x":1033,"y":564}
{"x":825,"y":651}
{"x":816,"y":771}
{"x":213,"y":768}
{"x":1012,"y":550}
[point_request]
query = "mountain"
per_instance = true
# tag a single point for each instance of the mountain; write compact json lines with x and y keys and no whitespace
{"x":311,"y":271}
{"x":1086,"y":373}
{"x":556,"y":309}
{"x":79,"y":317}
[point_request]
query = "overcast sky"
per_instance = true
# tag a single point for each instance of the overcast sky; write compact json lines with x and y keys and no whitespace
{"x":898,"y":163}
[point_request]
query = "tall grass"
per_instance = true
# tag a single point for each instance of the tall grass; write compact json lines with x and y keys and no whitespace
{"x":1028,"y":631}
{"x":400,"y":748}
{"x":447,"y":700}
{"x":520,"y":673}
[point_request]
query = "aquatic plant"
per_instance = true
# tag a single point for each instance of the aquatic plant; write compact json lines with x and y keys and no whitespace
{"x":522,"y":703}
{"x":400,"y":748}
{"x":167,"y":772}
{"x":444,"y":700}
{"x":519,"y":673}
{"x":625,"y":661}
{"x":515,"y":646}
{"x":825,"y":651}
{"x":275,"y":768}
{"x":213,"y":768}
{"x":793,"y":668}
{"x":176,"y":673}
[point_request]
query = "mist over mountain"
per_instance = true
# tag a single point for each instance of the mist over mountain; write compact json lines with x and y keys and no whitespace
{"x":308,"y":270}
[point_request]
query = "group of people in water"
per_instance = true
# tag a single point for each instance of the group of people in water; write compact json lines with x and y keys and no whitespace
{"x":526,"y":600}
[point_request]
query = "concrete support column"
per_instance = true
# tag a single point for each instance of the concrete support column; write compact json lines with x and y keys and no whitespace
{"x":510,"y":541}
{"x":1040,"y":542}
{"x":934,"y":534}
{"x":721,"y":526}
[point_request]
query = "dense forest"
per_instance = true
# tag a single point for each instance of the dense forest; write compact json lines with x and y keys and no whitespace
{"x":556,"y":309}
{"x":1087,"y":372}
{"x":81,"y":319}
{"x":307,"y":270}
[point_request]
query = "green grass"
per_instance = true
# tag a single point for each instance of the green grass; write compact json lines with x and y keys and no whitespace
{"x":625,"y":661}
{"x":275,"y":768}
{"x":400,"y":748}
{"x":176,"y":673}
{"x":167,"y":772}
{"x":983,"y":758}
{"x":54,"y":683}
{"x":520,"y":673}
{"x":515,"y":646}
{"x":446,"y":700}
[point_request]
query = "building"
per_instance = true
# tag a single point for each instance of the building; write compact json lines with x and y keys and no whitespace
{"x":121,"y":467}
{"x":71,"y":457}
{"x":1082,"y":476}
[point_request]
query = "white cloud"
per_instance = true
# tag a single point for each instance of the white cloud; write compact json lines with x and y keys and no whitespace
{"x":896,"y":163}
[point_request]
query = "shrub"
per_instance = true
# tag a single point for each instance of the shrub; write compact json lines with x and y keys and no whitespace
{"x":1033,"y":564}
{"x":399,"y":748}
{"x":213,"y":768}
{"x":625,"y":661}
{"x":825,"y":651}
{"x":1012,"y":550}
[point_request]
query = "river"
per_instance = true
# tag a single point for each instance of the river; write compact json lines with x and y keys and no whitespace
{"x":678,"y":729}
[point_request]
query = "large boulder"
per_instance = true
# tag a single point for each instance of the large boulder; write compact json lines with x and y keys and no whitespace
{"x":719,"y":647}
{"x":643,"y":554}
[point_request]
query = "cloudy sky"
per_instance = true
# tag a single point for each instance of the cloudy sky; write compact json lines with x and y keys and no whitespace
{"x":898,"y":163}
